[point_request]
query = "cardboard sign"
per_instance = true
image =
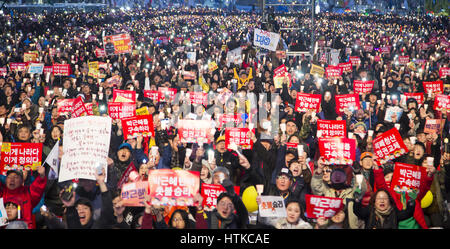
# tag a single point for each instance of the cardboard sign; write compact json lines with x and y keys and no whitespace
{"x":127,"y":94}
{"x":332,"y":72}
{"x":306,"y":102}
{"x":121,"y":110}
{"x":389,"y":145}
{"x":321,"y":206}
{"x":93,"y":69}
{"x":393,"y":111}
{"x":265,"y":39}
{"x":78,"y":108}
{"x":347,"y":101}
{"x":433,"y":86}
{"x":194,"y":131}
{"x":432,"y":126}
{"x":210,"y":192}
{"x":338,"y":150}
{"x":61,"y":69}
{"x":407,"y":177}
{"x":154,"y":95}
{"x":142,"y":111}
{"x":417,"y":96}
{"x":281,"y":76}
{"x":86,"y":146}
{"x":403,"y":60}
{"x":239,"y":137}
{"x":168,"y":94}
{"x":346,"y":67}
{"x":173,"y":187}
{"x":361,"y":87}
{"x":212,"y":66}
{"x":89,"y":108}
{"x":30,"y":57}
{"x":117,"y":44}
{"x":227,"y":118}
{"x":317,"y":70}
{"x":444,"y":72}
{"x":355,"y":60}
{"x":331,"y":128}
{"x":18,"y":156}
{"x":272,"y":206}
{"x":133,"y":126}
{"x":17,"y":66}
{"x":64,"y":106}
{"x":100,"y":52}
{"x":234,"y":56}
{"x":441,"y":102}
{"x":113,"y":81}
{"x":133,"y":194}
{"x":35,"y":68}
{"x":198,"y":98}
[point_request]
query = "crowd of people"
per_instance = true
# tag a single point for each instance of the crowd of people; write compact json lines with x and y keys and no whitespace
{"x":29,"y":113}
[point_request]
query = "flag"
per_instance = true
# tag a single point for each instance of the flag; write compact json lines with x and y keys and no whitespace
{"x":203,"y":84}
{"x":53,"y":160}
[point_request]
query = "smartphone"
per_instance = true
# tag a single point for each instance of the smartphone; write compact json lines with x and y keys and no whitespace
{"x":67,"y":193}
{"x":99,"y":170}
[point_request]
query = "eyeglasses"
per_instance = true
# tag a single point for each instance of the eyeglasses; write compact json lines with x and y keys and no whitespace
{"x":177,"y":219}
{"x":226,"y":204}
{"x":283,"y":177}
{"x":327,"y":170}
{"x":382,"y":199}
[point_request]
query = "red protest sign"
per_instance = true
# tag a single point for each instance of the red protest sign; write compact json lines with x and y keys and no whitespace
{"x":48,"y":69}
{"x":64,"y":106}
{"x":89,"y":108}
{"x":389,"y":145}
{"x":133,"y":194}
{"x":403,"y":60}
{"x":3,"y":71}
{"x":417,"y":96}
{"x":407,"y":176}
{"x":17,"y":66}
{"x":61,"y":69}
{"x":168,"y":94}
{"x":333,"y":72}
{"x":385,"y":50}
{"x":198,"y":98}
{"x":363,"y":86}
{"x":194,"y":131}
{"x":280,"y":71}
{"x":20,"y":156}
{"x":227,"y":117}
{"x":347,"y":101}
{"x":377,"y":58}
{"x":117,"y":44}
{"x":441,"y":102}
{"x":338,"y":150}
{"x":346,"y":67}
{"x":444,"y":72}
{"x":121,"y":110}
{"x":368,"y":48}
{"x":127,"y":94}
{"x":306,"y":102}
{"x":154,"y":95}
{"x":78,"y":107}
{"x":355,"y":60}
{"x":291,"y":145}
{"x":210,"y":192}
{"x":331,"y":128}
{"x":142,"y":124}
{"x":433,"y":86}
{"x":321,"y":206}
{"x":100,"y":52}
{"x":238,"y":136}
{"x":173,"y":187}
{"x":432,"y":126}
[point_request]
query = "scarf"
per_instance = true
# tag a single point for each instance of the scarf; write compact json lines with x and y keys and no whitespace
{"x":218,"y":222}
{"x":382,"y":214}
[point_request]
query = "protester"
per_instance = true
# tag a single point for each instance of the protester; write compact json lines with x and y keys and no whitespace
{"x":219,"y":111}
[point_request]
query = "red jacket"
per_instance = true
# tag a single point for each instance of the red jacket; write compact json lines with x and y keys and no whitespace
{"x":28,"y":197}
{"x":425,"y":185}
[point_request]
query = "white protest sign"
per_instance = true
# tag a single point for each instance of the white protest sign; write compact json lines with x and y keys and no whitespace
{"x":36,"y":68}
{"x":265,"y":39}
{"x":192,"y":56}
{"x":86,"y":146}
{"x":234,"y":56}
{"x":3,"y":216}
{"x":272,"y":206}
{"x":390,"y":111}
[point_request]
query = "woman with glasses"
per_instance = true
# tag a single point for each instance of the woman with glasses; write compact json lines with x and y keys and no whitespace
{"x":382,"y":213}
